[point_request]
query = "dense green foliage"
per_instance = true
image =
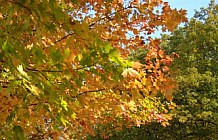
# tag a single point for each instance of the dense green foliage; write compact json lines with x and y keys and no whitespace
{"x":197,"y":95}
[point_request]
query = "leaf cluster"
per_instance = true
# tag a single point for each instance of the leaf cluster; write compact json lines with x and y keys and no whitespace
{"x":62,"y":61}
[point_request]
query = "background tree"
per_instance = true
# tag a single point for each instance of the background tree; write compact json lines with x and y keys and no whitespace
{"x":196,"y":116}
{"x":61,"y":76}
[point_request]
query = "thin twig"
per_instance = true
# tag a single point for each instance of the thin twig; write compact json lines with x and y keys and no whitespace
{"x":36,"y":70}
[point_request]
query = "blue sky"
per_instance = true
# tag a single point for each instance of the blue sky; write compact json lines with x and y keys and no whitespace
{"x":189,"y":5}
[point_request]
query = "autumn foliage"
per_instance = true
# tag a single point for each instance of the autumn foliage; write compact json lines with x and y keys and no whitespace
{"x":65,"y":70}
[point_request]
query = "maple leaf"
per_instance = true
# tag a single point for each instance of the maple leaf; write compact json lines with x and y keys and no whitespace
{"x":23,"y":73}
{"x":130,"y":72}
{"x":136,"y":65}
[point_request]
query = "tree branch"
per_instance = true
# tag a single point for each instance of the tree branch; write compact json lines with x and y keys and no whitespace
{"x":36,"y":70}
{"x":92,"y":24}
{"x":18,"y":3}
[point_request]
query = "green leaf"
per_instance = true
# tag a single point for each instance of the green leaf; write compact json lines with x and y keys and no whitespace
{"x":107,"y":48}
{"x":56,"y":55}
{"x":113,"y":53}
{"x":18,"y":133}
{"x":109,"y":0}
{"x":12,"y":115}
{"x":74,"y":1}
{"x":66,"y":52}
{"x":52,"y":2}
{"x":4,"y":46}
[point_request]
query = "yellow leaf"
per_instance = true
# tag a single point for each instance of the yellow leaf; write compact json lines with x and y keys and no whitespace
{"x":131,"y":105}
{"x":130,"y":72}
{"x":73,"y":116}
{"x":145,"y":92}
{"x":144,"y":81}
{"x":136,"y":65}
{"x":33,"y":89}
{"x":135,"y":94}
{"x":29,"y":46}
{"x":20,"y":69}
